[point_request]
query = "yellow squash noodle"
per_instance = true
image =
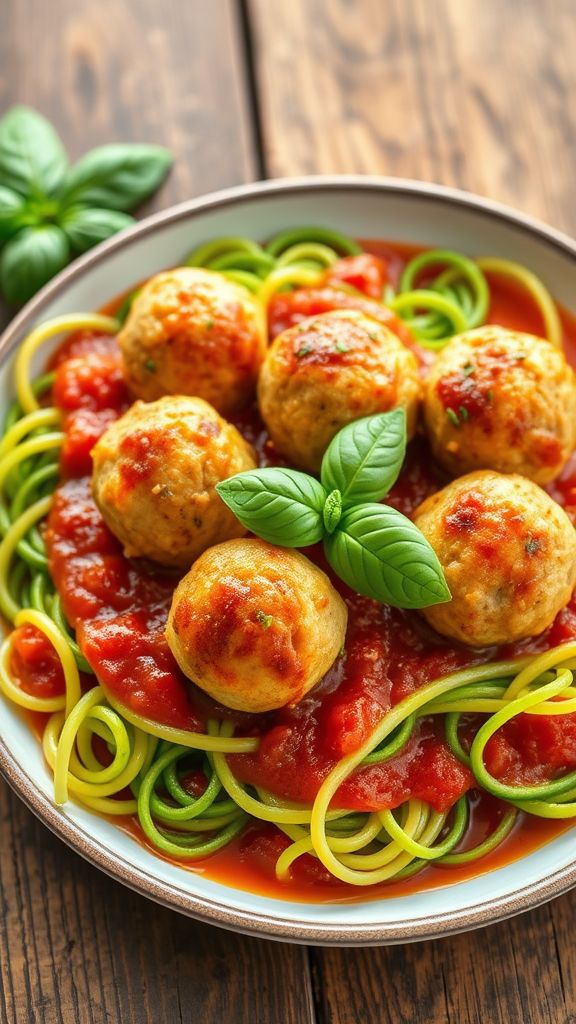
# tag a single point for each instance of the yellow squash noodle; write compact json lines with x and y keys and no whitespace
{"x":535,"y":288}
{"x":40,"y":334}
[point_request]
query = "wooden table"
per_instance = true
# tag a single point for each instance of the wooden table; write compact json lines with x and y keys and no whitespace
{"x":475,"y":93}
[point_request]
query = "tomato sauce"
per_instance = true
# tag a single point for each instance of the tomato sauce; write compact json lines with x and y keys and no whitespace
{"x":249,"y":861}
{"x":119,"y":609}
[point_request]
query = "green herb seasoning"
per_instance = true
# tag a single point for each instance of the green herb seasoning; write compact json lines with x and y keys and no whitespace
{"x":532,"y":546}
{"x":264,"y":619}
{"x":453,"y":417}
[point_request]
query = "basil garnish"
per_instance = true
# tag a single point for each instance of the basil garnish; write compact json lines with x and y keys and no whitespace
{"x":375,"y":549}
{"x":275,"y":503}
{"x":364,"y":459}
{"x":85,"y":226}
{"x":33,"y":161}
{"x":30,"y":259}
{"x":12,"y":213}
{"x":49,"y":212}
{"x":116,"y":177}
{"x":380,"y":553}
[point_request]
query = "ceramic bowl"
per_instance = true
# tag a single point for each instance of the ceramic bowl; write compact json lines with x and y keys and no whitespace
{"x":366,"y":208}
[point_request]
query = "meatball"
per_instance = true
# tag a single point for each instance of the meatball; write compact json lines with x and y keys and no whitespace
{"x":255,"y":626}
{"x":327,"y":371}
{"x":154,"y":478}
{"x":509,"y":556}
{"x":193,"y":332}
{"x":499,"y":399}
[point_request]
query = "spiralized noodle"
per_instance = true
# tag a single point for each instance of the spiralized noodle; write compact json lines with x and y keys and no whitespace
{"x":117,"y":762}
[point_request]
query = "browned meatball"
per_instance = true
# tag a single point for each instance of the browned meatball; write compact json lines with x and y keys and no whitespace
{"x":255,"y":626}
{"x":327,"y":371}
{"x":499,"y":399}
{"x":154,"y":478}
{"x":193,"y":332}
{"x":508,"y":552}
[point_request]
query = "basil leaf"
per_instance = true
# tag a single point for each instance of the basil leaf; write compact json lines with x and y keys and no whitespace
{"x":282,"y":506}
{"x":33,"y":161}
{"x":116,"y":177}
{"x":86,"y":227}
{"x":30,"y":259}
{"x":364,"y":459}
{"x":381,"y":554}
{"x":13,"y":213}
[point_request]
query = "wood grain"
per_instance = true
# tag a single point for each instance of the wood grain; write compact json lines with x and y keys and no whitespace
{"x":136,"y":70}
{"x":478,"y":94}
{"x":521,"y":971}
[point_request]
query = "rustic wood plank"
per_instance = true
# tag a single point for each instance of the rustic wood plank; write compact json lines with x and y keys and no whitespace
{"x":476,"y":94}
{"x":76,"y":948}
{"x":473,"y":93}
{"x":511,"y":972}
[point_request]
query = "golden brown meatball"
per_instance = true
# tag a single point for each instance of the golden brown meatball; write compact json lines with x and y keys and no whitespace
{"x":154,"y":478}
{"x":327,"y":371}
{"x":193,"y":332}
{"x":509,"y":556}
{"x":255,"y":626}
{"x":499,"y":399}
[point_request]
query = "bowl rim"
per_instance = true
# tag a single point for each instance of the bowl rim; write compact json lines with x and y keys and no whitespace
{"x":206,"y":909}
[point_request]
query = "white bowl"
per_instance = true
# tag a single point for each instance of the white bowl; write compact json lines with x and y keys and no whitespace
{"x":366,"y":208}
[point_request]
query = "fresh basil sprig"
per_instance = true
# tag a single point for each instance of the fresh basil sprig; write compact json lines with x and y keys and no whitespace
{"x":51,"y":212}
{"x":376,"y":550}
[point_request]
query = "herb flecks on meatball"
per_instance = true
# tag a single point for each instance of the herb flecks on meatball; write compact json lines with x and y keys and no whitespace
{"x":155,"y":474}
{"x":508,"y":552}
{"x":255,"y":626}
{"x":499,"y":399}
{"x":328,"y":371}
{"x":192,"y":332}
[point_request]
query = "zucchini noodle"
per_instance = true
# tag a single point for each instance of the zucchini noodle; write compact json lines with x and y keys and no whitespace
{"x":37,"y":337}
{"x":454,"y":299}
{"x":290,"y":260}
{"x":181,"y":784}
{"x":535,"y":288}
{"x":457,"y":298}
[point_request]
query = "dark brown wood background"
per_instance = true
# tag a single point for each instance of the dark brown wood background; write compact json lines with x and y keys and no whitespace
{"x":475,"y":93}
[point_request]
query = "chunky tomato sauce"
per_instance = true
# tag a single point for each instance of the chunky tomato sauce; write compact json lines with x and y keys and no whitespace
{"x":119,"y":609}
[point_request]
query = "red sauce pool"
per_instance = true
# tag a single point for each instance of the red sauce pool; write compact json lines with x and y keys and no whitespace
{"x":119,"y":609}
